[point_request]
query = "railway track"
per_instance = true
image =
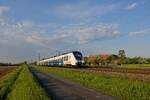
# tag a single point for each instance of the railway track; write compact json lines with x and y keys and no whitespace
{"x":122,"y":70}
{"x":135,"y":73}
{"x":117,"y":70}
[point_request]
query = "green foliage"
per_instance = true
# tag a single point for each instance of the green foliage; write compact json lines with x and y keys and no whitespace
{"x":122,"y":57}
{"x":125,"y":89}
{"x":27,"y":88}
{"x":148,"y":60}
{"x":7,"y":81}
{"x":121,"y":54}
{"x":136,"y":60}
{"x":5,"y":64}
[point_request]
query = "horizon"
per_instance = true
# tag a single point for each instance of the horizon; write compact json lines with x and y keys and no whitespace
{"x":30,"y":27}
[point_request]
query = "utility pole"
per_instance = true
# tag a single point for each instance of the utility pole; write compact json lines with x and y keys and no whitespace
{"x":39,"y":56}
{"x":57,"y":52}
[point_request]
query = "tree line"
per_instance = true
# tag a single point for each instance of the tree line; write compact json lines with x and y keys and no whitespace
{"x":115,"y":60}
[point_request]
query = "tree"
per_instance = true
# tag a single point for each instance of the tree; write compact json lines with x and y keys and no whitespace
{"x":98,"y":60}
{"x":112,"y":59}
{"x":121,"y":56}
{"x":148,"y":60}
{"x":25,"y":62}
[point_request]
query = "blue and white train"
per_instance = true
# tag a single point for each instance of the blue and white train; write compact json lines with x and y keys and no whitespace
{"x":72,"y":58}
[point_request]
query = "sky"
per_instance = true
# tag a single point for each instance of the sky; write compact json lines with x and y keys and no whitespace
{"x":32,"y":27}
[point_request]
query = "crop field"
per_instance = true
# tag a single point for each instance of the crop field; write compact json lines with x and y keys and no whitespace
{"x":121,"y":87}
{"x":20,"y":84}
{"x":4,"y":71}
{"x":6,"y":82}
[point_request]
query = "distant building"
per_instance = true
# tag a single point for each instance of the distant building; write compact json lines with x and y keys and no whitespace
{"x":105,"y":56}
{"x":94,"y":59}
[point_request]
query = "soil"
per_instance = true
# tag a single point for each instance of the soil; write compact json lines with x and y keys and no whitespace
{"x":4,"y":71}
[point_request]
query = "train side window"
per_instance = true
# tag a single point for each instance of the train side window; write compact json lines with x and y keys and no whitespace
{"x":66,"y":58}
{"x":69,"y":57}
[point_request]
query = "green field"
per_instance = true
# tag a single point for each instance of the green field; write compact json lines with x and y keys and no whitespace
{"x":21,"y":85}
{"x":7,"y":81}
{"x":134,"y":66}
{"x":123,"y":88}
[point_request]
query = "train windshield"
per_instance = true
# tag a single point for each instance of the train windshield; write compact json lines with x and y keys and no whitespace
{"x":78,"y":55}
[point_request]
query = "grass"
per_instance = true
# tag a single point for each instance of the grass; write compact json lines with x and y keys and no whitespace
{"x":123,"y":88}
{"x":134,"y":66}
{"x":27,"y":88}
{"x":7,"y":81}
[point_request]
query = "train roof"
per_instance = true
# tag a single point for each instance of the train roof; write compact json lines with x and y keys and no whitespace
{"x":70,"y":52}
{"x":61,"y":54}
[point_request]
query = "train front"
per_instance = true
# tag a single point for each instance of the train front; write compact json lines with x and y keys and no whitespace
{"x":79,"y":58}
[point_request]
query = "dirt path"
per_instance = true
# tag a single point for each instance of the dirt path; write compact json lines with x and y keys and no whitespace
{"x":61,"y":89}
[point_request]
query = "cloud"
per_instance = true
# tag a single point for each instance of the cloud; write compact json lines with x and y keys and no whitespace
{"x":24,"y":38}
{"x":84,"y":33}
{"x":21,"y":41}
{"x":83,"y":9}
{"x":140,"y":33}
{"x":17,"y":33}
{"x":134,"y":5}
{"x":26,"y":33}
{"x":3,"y":9}
{"x":29,"y":32}
{"x":131,"y":6}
